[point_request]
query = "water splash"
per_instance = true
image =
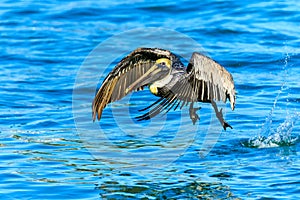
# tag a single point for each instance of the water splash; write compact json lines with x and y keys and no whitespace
{"x":282,"y":135}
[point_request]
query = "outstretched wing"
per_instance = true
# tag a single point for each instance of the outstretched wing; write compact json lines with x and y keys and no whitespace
{"x":204,"y":80}
{"x":210,"y":80}
{"x":126,"y":72}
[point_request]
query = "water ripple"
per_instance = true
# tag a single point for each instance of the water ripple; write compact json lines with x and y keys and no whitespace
{"x":44,"y":43}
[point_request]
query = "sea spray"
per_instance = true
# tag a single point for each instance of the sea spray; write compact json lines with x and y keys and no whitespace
{"x":282,"y":136}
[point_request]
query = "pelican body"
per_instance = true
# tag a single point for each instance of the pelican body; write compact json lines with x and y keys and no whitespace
{"x":203,"y":80}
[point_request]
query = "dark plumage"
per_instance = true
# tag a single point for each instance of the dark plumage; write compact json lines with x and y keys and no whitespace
{"x":203,"y":80}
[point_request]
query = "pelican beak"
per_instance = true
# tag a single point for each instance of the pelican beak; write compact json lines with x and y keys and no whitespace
{"x":150,"y":76}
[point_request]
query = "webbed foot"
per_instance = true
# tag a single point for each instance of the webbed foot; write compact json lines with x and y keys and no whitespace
{"x":222,"y":121}
{"x":219,"y":115}
{"x":193,"y":115}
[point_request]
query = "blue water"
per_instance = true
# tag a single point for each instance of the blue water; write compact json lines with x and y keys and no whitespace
{"x":55,"y":54}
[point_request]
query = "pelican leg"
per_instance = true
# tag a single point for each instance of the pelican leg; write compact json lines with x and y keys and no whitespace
{"x":219,"y":115}
{"x":194,"y":117}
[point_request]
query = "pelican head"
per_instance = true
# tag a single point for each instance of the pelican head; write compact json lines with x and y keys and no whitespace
{"x":159,"y":70}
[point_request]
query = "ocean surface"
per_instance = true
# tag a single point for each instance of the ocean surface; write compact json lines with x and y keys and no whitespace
{"x":54,"y":56}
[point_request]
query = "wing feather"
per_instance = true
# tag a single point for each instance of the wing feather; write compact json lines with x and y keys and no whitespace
{"x":178,"y":95}
{"x":126,"y":72}
{"x":210,"y":80}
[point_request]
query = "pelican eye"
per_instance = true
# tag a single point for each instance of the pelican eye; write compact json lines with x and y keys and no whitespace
{"x":164,"y":62}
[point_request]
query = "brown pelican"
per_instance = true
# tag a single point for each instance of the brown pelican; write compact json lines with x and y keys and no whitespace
{"x":203,"y":80}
